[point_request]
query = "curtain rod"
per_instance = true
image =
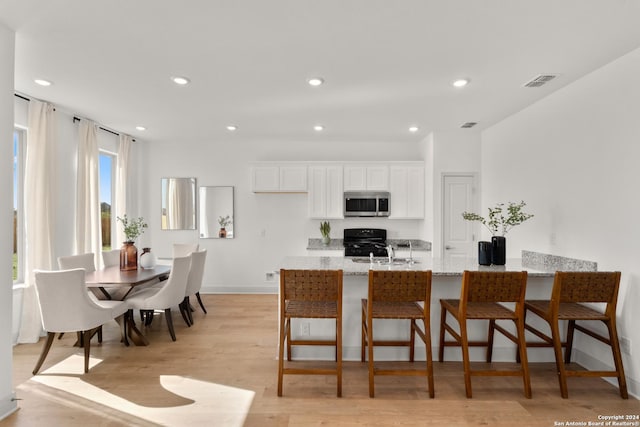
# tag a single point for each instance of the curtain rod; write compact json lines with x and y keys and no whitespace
{"x":77,"y":119}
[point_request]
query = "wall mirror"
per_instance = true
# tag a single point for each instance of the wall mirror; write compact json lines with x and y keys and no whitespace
{"x":178,"y":204}
{"x":216,"y":213}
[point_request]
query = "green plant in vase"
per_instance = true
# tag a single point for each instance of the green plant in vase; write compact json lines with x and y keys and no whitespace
{"x":132,"y":229}
{"x":325,"y":230}
{"x":499,"y":221}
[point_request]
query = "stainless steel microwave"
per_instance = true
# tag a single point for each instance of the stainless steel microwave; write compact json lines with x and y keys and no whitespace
{"x":366,"y":203}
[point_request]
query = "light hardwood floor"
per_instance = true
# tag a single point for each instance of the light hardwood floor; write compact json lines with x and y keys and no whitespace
{"x":223,"y":371}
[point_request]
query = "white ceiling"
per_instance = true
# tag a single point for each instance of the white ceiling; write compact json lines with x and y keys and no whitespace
{"x":388,"y":64}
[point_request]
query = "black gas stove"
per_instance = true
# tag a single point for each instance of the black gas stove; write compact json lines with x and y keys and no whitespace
{"x":360,"y":242}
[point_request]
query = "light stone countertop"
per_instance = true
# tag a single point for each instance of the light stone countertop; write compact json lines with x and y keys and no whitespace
{"x":453,"y":267}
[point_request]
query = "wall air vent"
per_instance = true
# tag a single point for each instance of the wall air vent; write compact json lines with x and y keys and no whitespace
{"x":540,"y":80}
{"x":468,"y":125}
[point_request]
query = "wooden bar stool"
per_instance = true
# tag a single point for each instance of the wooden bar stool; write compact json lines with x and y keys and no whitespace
{"x":398,"y":295}
{"x":480,"y":298}
{"x":310,"y":294}
{"x":570,"y":289}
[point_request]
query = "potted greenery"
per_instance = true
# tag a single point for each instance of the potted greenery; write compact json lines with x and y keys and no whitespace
{"x":499,"y":221}
{"x":224,"y":221}
{"x":132,"y":229}
{"x":325,"y":230}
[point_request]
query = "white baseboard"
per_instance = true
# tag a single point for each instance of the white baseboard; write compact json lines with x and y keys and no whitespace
{"x":267,"y":288}
{"x":593,"y":364}
{"x":8,"y":405}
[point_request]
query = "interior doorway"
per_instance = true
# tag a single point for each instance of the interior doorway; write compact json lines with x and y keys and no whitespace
{"x":458,"y":195}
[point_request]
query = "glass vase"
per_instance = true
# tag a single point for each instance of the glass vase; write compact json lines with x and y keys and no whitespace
{"x":128,"y":257}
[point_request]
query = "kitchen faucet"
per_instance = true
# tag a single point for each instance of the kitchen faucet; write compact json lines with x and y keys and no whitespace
{"x":410,"y":253}
{"x":390,"y":253}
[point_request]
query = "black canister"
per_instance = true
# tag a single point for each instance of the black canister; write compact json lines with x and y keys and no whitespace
{"x":499,"y":250}
{"x":484,"y":253}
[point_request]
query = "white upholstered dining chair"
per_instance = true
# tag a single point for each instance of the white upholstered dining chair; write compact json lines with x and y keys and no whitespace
{"x":194,"y":283}
{"x":184,"y":249}
{"x":66,"y":307}
{"x":111,"y":258}
{"x":164,"y":297}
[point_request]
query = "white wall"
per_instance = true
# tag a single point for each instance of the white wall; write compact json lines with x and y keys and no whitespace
{"x":453,"y":152}
{"x":7,"y":49}
{"x":239,"y":264}
{"x":573,"y":157}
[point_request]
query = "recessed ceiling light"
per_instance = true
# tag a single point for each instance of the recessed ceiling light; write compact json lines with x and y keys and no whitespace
{"x":460,"y":82}
{"x":232,"y":128}
{"x":141,"y":128}
{"x":318,"y":128}
{"x":42,"y":82}
{"x":315,"y":81}
{"x":414,"y":129}
{"x":179,"y":80}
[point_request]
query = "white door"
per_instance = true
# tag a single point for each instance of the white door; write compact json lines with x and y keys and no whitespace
{"x":458,"y":234}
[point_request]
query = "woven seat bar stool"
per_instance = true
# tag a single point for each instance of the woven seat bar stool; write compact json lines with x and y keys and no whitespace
{"x":396,"y":295}
{"x":310,"y":294}
{"x":480,"y":298}
{"x":570,"y":289}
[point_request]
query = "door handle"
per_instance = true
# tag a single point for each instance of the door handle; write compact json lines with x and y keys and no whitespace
{"x":449,"y":247}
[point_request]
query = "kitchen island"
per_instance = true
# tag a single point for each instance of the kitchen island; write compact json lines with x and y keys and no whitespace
{"x":446,"y":280}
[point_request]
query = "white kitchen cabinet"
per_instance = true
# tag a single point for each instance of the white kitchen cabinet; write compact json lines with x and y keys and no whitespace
{"x":406,"y":185}
{"x":367,"y":177}
{"x":279,"y":178}
{"x":325,"y":191}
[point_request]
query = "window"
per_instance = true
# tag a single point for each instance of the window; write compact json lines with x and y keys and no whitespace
{"x":18,"y":205}
{"x":107,"y":181}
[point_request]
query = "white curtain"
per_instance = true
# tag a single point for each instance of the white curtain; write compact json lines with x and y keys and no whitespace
{"x":122,"y":177}
{"x":38,"y":205}
{"x":88,"y":217}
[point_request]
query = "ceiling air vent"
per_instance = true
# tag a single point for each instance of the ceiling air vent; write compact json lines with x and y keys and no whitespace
{"x":540,"y":80}
{"x":468,"y":125}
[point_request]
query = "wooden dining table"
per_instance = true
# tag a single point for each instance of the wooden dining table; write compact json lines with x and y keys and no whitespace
{"x":117,"y":284}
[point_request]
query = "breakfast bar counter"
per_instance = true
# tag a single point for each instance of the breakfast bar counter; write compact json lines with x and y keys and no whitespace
{"x":446,"y":281}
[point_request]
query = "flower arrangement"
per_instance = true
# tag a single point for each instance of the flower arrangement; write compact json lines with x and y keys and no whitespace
{"x":224,"y":221}
{"x":501,"y":220}
{"x":325,"y":228}
{"x":132,"y":227}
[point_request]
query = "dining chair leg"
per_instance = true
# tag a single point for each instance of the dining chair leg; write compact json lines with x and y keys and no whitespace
{"x":281,"y":355}
{"x":45,"y":351}
{"x":617,"y":358}
{"x":560,"y":368}
{"x":100,"y":334}
{"x":183,"y":311}
{"x":167,"y":315}
{"x":524,"y":362}
{"x":492,"y":328}
{"x":188,"y":309}
{"x":465,"y":357}
{"x":200,"y":302}
{"x":87,"y":347}
{"x":443,"y":318}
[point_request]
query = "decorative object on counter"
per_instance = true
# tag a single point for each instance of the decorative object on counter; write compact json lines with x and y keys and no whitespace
{"x":484,"y":253}
{"x":498,"y":250}
{"x":132,"y":228}
{"x":325,"y":230}
{"x":499,"y":223}
{"x":147,"y":259}
{"x":224,"y":221}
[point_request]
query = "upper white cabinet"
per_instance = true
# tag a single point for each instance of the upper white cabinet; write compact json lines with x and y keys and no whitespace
{"x":407,"y":187}
{"x":325,"y":191}
{"x":366,"y":177}
{"x":279,"y":178}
